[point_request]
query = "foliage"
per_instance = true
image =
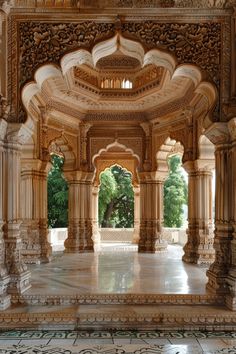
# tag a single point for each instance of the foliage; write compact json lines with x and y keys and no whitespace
{"x":57,"y":195}
{"x":116,"y":198}
{"x":175,"y":194}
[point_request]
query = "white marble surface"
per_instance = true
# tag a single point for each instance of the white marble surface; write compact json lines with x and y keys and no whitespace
{"x":117,"y":342}
{"x":120,"y":271}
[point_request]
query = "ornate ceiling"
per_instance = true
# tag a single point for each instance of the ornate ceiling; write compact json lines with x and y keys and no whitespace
{"x":117,"y":77}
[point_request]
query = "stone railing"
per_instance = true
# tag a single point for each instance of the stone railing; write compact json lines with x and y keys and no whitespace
{"x":116,"y":235}
{"x":172,"y":235}
{"x":175,"y":235}
{"x":57,"y":237}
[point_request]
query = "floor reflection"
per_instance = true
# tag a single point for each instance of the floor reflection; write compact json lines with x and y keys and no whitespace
{"x":121,"y":270}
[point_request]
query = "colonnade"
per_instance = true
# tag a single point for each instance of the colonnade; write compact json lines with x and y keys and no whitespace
{"x":23,"y":212}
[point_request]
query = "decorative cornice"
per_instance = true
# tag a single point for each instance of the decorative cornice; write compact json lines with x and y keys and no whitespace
{"x":117,"y":116}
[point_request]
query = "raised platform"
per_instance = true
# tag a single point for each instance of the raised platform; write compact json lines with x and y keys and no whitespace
{"x":118,"y":290}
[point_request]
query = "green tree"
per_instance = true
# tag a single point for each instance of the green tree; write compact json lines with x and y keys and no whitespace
{"x":57,"y":195}
{"x":116,"y":198}
{"x":175,"y":194}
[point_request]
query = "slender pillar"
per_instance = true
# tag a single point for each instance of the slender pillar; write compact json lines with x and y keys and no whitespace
{"x":217,"y":274}
{"x":19,"y":275}
{"x":190,"y":248}
{"x":96,"y":234}
{"x":199,"y":248}
{"x":4,"y":277}
{"x":151,"y":213}
{"x":34,"y":228}
{"x":80,"y":213}
{"x":136,"y":215}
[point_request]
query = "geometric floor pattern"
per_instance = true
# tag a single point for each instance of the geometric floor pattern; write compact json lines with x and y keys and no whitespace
{"x":116,"y":342}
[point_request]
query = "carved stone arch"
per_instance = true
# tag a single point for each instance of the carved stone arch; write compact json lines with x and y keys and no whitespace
{"x":182,"y":136}
{"x":116,"y":154}
{"x":169,"y":147}
{"x":62,"y":147}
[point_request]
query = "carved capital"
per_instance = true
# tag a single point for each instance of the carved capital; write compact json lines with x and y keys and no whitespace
{"x":35,"y":165}
{"x":146,"y":128}
{"x":189,"y":167}
{"x":18,"y":133}
{"x":85,"y":128}
{"x":204,"y":165}
{"x":218,"y":133}
{"x":232,"y":128}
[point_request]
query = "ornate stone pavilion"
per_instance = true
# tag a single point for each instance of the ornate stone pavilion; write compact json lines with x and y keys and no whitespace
{"x":125,"y":82}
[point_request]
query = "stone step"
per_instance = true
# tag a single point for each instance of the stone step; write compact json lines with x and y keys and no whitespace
{"x":115,"y":299}
{"x":101,"y":317}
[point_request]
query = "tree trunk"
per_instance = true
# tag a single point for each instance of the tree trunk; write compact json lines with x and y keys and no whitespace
{"x":107,"y":214}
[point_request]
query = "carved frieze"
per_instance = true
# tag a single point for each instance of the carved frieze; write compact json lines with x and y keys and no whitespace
{"x":48,"y":42}
{"x":198,"y":43}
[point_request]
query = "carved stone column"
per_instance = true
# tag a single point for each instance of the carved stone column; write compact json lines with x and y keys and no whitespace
{"x":80,"y":212}
{"x":4,"y":277}
{"x":34,"y":228}
{"x":151,"y":212}
{"x":199,"y":248}
{"x":96,"y":234}
{"x":136,"y":215}
{"x":231,"y":278}
{"x":190,"y":249}
{"x":17,"y":134}
{"x":217,"y":274}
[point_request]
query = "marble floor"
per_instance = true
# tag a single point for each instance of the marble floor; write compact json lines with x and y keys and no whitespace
{"x":118,"y":269}
{"x":116,"y":342}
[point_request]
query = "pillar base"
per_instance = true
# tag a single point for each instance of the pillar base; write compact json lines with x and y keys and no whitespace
{"x":74,"y":246}
{"x":206,"y":259}
{"x":79,"y":237}
{"x":19,"y":283}
{"x":161,"y":246}
{"x":34,"y":252}
{"x":155,"y":247}
{"x":230,"y":299}
{"x":205,"y":250}
{"x":190,"y":255}
{"x":216,"y":283}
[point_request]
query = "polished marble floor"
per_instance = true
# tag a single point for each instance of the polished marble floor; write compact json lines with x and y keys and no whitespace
{"x":117,"y":342}
{"x":118,"y":269}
